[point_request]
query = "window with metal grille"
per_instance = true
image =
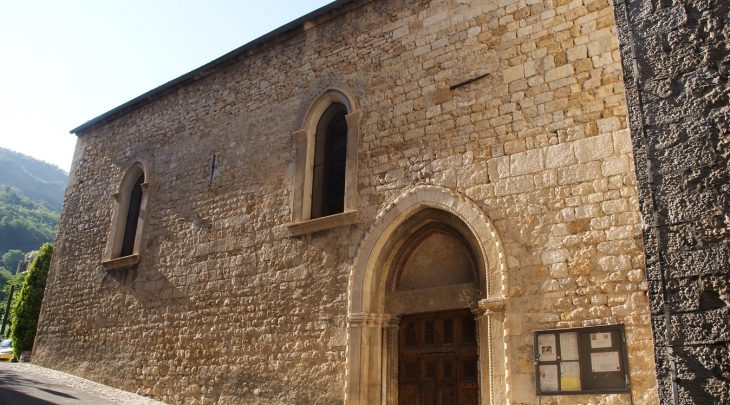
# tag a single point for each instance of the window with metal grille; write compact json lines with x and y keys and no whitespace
{"x":411,"y":370}
{"x":411,"y":335}
{"x":448,"y":331}
{"x":429,"y":333}
{"x":431,"y":369}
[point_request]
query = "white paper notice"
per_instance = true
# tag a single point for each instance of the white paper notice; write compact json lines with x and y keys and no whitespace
{"x":569,"y":346}
{"x":570,"y":368}
{"x":546,"y":348}
{"x":606,"y":361}
{"x":600,"y":340}
{"x":548,"y":378}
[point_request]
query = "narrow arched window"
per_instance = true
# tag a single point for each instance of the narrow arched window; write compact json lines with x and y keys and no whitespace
{"x":325,"y":193}
{"x":130,"y":229}
{"x":330,"y":156}
{"x":128,"y":218}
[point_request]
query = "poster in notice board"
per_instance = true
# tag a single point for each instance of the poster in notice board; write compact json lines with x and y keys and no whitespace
{"x":605,"y":362}
{"x":546,"y":347}
{"x":569,"y":376}
{"x":569,"y":345}
{"x":581,"y":360}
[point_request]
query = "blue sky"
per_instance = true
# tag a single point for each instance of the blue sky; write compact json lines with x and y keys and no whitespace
{"x":66,"y":62}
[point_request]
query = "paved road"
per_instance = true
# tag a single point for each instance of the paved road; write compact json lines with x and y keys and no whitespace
{"x":30,"y":389}
{"x":27,"y":384}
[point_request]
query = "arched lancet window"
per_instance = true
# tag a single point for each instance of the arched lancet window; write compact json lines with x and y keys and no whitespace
{"x":325,"y":194}
{"x":128,"y":219}
{"x":130,"y":229}
{"x":330,"y":155}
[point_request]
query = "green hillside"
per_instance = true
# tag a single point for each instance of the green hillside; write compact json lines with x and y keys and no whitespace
{"x":41,"y":182}
{"x":24,"y":224}
{"x":31,"y":195}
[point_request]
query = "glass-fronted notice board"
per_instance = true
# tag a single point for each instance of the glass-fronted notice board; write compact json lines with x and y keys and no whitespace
{"x":581,"y":361}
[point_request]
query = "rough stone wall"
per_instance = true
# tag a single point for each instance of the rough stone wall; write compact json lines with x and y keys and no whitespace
{"x":676,"y":62}
{"x":226,"y":307}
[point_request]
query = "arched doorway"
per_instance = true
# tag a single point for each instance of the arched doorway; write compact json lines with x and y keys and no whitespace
{"x":433,"y":259}
{"x":432,"y":282}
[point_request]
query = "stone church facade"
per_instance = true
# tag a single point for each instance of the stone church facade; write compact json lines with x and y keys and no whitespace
{"x":477,"y":185}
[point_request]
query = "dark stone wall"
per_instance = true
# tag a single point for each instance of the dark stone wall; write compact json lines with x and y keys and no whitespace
{"x":676,"y":61}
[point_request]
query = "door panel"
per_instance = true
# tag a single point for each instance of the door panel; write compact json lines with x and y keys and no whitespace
{"x":448,"y":396}
{"x":438,"y":359}
{"x":408,"y":395}
{"x":428,"y":396}
{"x":468,"y":394}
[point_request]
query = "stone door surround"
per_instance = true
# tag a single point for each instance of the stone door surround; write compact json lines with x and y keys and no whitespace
{"x":371,"y":365}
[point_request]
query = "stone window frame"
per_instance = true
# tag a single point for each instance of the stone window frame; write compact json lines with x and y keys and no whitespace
{"x":305,"y":139}
{"x":112,"y":253}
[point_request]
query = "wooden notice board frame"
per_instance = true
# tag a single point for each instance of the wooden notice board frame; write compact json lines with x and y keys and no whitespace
{"x":580,"y":361}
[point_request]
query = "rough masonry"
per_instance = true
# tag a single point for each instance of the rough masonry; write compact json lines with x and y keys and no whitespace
{"x":676,"y":63}
{"x":516,"y":109}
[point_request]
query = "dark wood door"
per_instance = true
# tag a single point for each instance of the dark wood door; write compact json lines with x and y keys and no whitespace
{"x":438,"y":359}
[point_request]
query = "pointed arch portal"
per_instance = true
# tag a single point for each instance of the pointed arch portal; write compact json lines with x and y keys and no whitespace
{"x":382,"y":288}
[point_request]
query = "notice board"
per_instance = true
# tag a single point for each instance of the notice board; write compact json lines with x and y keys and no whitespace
{"x":577,"y":361}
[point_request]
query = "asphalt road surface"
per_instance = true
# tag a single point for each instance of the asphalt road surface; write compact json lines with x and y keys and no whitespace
{"x":29,"y":389}
{"x":27,"y":384}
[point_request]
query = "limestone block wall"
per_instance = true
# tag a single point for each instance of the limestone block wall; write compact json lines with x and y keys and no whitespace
{"x":676,"y":61}
{"x":518,"y":106}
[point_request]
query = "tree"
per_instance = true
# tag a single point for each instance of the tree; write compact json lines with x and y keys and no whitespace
{"x":11,"y":259}
{"x":5,"y":277}
{"x":11,"y":281}
{"x":28,"y":306}
{"x":24,"y":223}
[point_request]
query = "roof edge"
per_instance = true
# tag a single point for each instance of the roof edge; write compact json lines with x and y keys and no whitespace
{"x":194,"y":75}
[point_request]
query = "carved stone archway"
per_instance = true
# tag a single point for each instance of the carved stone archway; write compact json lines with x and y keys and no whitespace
{"x":371,"y":369}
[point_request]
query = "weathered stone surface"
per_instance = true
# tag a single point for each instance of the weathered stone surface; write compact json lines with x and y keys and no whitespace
{"x":225,"y":306}
{"x":675,"y":56}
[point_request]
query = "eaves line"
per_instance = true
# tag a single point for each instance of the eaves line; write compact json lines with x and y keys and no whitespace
{"x":208,"y":68}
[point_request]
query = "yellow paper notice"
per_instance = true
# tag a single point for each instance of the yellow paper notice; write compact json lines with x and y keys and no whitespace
{"x":570,"y":383}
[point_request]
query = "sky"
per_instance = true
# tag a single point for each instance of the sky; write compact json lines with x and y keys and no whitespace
{"x":63,"y":63}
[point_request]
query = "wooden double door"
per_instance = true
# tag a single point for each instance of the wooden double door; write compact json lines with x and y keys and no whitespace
{"x":438,"y":359}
